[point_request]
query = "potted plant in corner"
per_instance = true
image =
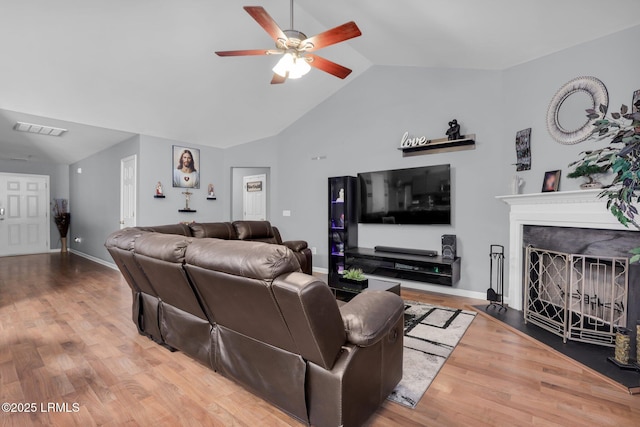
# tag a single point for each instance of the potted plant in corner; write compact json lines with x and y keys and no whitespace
{"x":62,"y":218}
{"x":355,"y":277}
{"x":622,"y":156}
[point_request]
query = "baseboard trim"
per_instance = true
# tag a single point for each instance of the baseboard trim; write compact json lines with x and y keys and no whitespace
{"x":447,"y":290}
{"x":95,"y":259}
{"x":320,"y":270}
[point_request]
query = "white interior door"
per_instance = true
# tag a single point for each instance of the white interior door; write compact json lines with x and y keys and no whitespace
{"x":254,"y":197}
{"x":128,"y":172}
{"x":24,"y":214}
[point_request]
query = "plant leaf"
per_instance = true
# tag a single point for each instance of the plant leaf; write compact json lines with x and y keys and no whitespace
{"x":624,"y":109}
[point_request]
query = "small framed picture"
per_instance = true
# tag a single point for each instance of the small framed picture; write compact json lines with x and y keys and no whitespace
{"x":635,"y":102}
{"x":523,"y":149}
{"x":551,"y":181}
{"x":185,"y":164}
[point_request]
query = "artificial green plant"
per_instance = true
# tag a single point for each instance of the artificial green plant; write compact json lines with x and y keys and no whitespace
{"x":622,"y":157}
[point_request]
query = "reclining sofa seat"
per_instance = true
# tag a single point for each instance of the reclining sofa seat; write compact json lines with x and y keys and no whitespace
{"x":246,"y":310}
{"x":145,"y":298}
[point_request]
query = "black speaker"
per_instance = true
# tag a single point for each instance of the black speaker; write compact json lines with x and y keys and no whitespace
{"x":449,"y":246}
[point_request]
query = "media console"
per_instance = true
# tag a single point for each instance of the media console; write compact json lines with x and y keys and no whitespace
{"x":409,"y":266}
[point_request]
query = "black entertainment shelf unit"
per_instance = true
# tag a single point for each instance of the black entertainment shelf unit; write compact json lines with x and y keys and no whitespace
{"x":420,"y":268}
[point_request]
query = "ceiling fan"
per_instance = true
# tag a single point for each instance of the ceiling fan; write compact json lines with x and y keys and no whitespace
{"x":295,"y":47}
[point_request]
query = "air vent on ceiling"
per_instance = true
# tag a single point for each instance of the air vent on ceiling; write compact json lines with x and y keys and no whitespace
{"x":39,"y":129}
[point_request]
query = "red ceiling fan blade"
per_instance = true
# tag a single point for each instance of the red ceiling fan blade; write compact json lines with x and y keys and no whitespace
{"x":277,"y":79}
{"x":328,"y":66}
{"x":248,"y":52}
{"x":266,"y":21}
{"x":335,"y":35}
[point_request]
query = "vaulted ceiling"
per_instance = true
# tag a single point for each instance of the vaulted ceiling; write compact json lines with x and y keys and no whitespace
{"x":107,"y":70}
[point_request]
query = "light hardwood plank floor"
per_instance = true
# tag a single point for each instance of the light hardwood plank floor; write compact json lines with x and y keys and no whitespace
{"x":70,"y":352}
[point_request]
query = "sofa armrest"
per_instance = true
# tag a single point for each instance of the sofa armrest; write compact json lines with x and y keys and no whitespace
{"x":296,"y":245}
{"x":370,"y":315}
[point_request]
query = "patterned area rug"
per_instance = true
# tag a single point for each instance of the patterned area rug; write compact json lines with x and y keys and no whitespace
{"x":430,"y":335}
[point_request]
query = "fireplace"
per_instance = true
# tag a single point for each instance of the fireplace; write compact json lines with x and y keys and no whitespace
{"x":576,"y":296}
{"x":573,"y":227}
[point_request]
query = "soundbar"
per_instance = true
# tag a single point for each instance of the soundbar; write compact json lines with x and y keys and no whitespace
{"x":422,"y":252}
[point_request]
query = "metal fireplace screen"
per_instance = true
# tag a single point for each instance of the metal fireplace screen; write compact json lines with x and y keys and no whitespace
{"x":578,"y":297}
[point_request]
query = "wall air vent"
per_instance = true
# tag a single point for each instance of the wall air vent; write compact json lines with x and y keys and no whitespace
{"x":38,"y":129}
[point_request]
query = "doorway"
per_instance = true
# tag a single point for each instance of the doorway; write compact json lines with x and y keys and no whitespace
{"x":250,"y":193}
{"x":24,"y":214}
{"x":128,"y":174}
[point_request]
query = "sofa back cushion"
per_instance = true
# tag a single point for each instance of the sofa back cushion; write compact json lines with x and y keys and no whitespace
{"x":313,"y":317}
{"x":160,"y":257}
{"x":257,"y":231}
{"x":216,"y":230}
{"x":234,"y":278}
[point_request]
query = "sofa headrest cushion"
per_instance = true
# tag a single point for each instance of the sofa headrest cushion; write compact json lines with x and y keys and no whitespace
{"x":165,"y":247}
{"x":217,"y":230}
{"x":180,"y":229}
{"x":123,"y":239}
{"x":256,"y":260}
{"x":254,"y":230}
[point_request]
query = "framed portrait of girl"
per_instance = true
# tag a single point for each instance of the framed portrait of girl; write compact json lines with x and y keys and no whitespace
{"x":186,"y":167}
{"x":551,"y":181}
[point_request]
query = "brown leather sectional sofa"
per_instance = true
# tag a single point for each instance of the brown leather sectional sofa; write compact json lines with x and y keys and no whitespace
{"x":246,"y":310}
{"x":256,"y":231}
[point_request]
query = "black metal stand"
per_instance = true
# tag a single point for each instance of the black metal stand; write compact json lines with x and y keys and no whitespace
{"x":496,"y":277}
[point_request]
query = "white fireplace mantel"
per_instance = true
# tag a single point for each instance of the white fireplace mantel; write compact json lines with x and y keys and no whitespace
{"x":581,"y":209}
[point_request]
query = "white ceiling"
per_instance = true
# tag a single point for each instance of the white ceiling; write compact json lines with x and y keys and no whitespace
{"x":107,"y":70}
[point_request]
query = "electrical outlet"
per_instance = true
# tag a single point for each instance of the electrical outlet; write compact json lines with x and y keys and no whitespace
{"x":314,"y":251}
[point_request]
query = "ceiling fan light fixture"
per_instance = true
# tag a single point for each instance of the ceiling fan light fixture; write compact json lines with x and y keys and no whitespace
{"x":292,"y":66}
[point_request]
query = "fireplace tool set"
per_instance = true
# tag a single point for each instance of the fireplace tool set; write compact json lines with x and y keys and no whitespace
{"x":496,"y":278}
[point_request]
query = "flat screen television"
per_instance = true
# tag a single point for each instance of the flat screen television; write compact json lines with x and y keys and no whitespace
{"x":419,"y":195}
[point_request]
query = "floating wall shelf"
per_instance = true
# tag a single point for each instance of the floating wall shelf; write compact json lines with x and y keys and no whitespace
{"x":432,"y":146}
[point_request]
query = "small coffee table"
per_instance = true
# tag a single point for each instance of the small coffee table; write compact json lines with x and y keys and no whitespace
{"x":346,"y":292}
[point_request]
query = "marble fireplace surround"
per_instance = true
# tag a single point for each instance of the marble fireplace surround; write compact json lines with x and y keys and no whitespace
{"x":580,"y":209}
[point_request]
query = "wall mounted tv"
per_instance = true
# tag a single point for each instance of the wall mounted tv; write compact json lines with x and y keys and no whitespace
{"x":419,"y":195}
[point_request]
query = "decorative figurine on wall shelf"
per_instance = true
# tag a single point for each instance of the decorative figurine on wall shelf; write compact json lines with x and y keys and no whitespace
{"x":453,"y":132}
{"x":340,"y":195}
{"x":211,"y":193}
{"x":159,"y":193}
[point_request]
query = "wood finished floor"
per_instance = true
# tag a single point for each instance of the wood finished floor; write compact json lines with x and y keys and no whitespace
{"x":66,"y":336}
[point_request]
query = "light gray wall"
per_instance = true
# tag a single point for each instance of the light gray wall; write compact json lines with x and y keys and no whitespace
{"x":528,"y":89}
{"x":359,"y":130}
{"x":237,"y":173}
{"x":95,"y":193}
{"x":259,"y":154}
{"x":58,"y":182}
{"x":95,"y":197}
{"x":156,"y":164}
